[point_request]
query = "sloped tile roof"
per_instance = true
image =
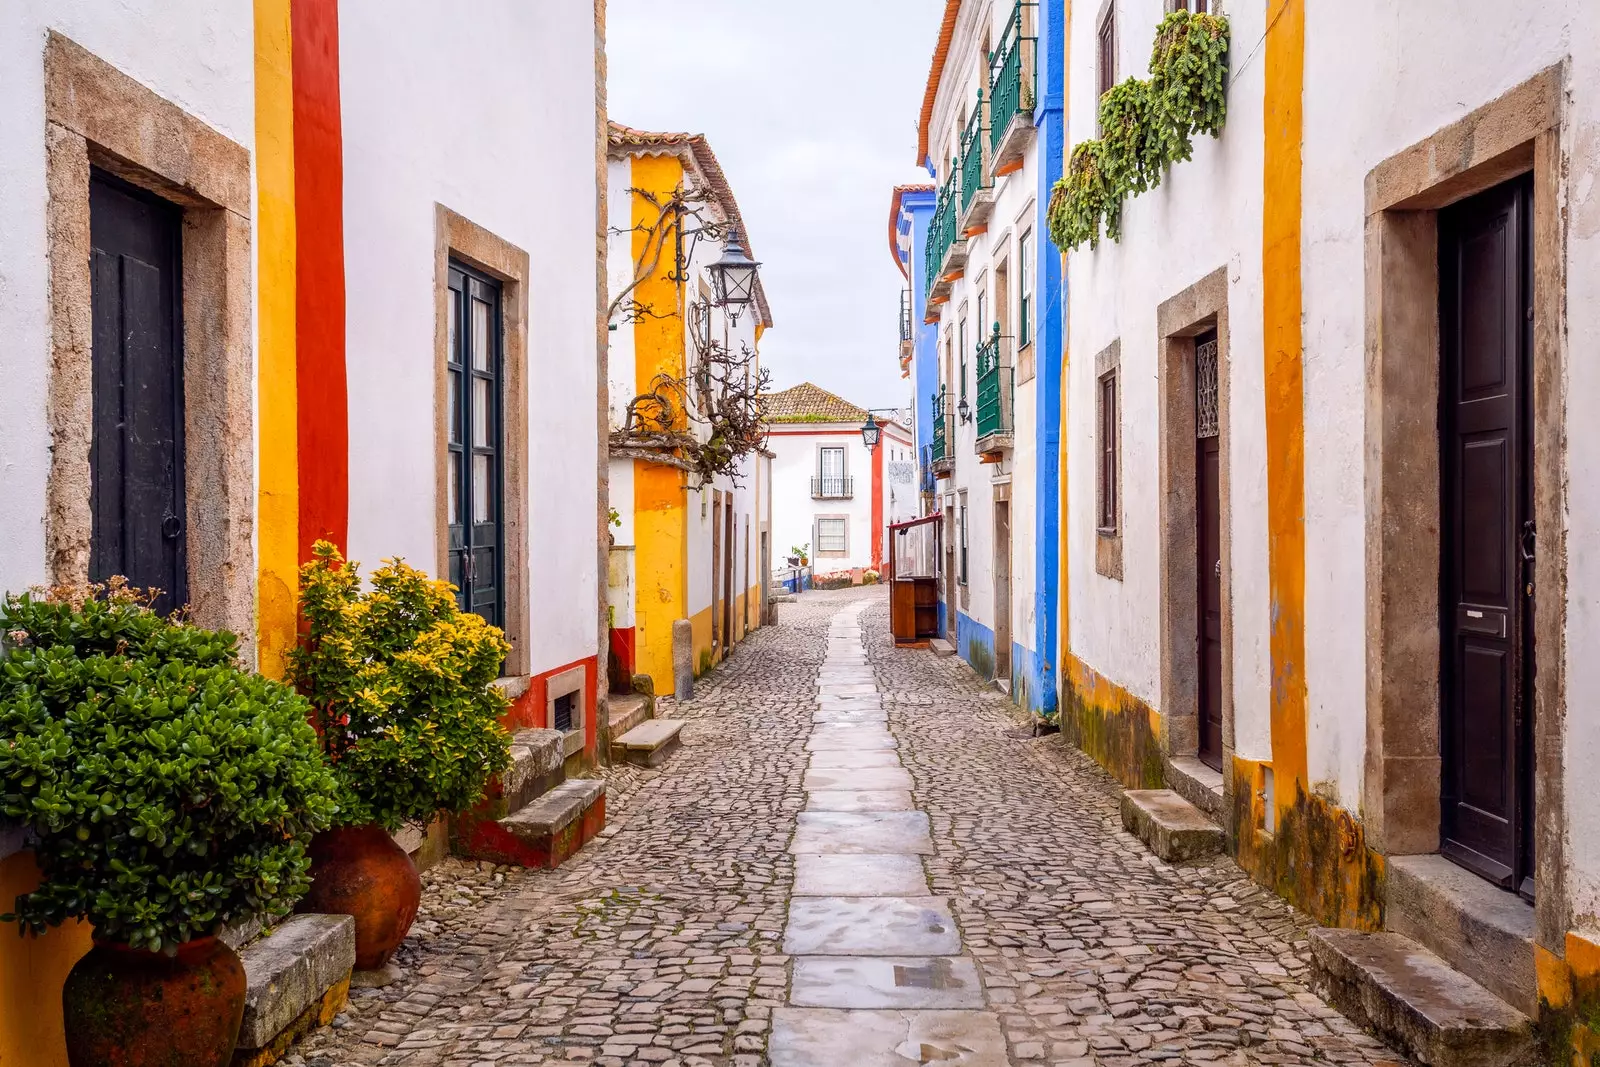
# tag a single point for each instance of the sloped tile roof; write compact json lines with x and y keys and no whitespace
{"x":810,"y":403}
{"x":941,"y":52}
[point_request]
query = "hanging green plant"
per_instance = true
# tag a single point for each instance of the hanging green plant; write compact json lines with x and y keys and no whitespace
{"x":1146,"y":126}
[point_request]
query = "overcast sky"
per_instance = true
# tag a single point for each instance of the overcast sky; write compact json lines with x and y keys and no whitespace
{"x":812,"y":110}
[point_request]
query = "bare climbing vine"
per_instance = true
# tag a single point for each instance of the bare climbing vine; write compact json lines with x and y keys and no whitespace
{"x":705,"y":423}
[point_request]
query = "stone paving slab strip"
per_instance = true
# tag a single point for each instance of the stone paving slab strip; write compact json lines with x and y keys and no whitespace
{"x":922,"y":982}
{"x":859,"y":875}
{"x":834,"y":759}
{"x":823,"y":1037}
{"x":868,"y":778}
{"x":878,"y":926}
{"x":859,"y":800}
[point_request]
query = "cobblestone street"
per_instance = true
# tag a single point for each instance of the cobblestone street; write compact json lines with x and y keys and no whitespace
{"x":681,"y":935}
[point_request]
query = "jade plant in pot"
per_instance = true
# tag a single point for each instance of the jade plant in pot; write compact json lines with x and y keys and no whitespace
{"x":400,"y":680}
{"x":168,"y":793}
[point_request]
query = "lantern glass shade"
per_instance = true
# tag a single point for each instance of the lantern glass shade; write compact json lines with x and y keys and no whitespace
{"x":964,"y":409}
{"x":870,"y":433}
{"x":733,"y":276}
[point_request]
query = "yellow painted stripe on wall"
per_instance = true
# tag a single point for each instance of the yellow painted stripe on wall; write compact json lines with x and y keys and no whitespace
{"x":1284,"y":384}
{"x":660,"y":503}
{"x":278,"y":529}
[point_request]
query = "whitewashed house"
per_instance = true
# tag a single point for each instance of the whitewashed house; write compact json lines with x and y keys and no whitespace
{"x":833,"y":496}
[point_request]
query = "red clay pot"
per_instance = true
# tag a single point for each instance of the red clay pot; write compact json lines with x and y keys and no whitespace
{"x":130,"y":1007}
{"x":360,"y":871}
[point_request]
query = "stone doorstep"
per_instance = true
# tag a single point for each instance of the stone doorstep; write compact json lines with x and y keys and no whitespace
{"x":1414,"y":1000}
{"x":298,"y":977}
{"x":543,"y":834}
{"x":941,"y":647}
{"x":1169,"y":825}
{"x":1484,"y":932}
{"x":536,"y":762}
{"x":1198,"y":784}
{"x":557,"y":809}
{"x":650,"y":743}
{"x":626,"y":710}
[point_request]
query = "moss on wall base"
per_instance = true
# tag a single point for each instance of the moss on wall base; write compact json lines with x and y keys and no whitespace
{"x":981,"y":657}
{"x":1315,"y":857}
{"x":1569,"y":1003}
{"x":1121,"y":732}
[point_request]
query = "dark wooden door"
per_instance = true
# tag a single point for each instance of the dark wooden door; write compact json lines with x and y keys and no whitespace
{"x":475,"y":468}
{"x":1002,"y":590}
{"x":717,"y":588}
{"x":1487,"y":533}
{"x":1208,"y":546}
{"x":136,"y":482}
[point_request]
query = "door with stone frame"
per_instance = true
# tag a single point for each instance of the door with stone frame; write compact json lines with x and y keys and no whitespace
{"x":1487,"y":534}
{"x":1208,"y":548}
{"x":1002,"y":592}
{"x":136,"y":459}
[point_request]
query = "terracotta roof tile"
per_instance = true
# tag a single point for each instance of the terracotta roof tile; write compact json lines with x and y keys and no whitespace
{"x":894,"y":221}
{"x":941,"y":52}
{"x":810,"y":403}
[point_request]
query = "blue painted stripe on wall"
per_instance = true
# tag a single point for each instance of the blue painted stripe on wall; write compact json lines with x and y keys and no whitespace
{"x":1049,"y":118}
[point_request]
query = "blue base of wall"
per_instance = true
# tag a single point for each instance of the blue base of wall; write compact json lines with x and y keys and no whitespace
{"x":975,"y":644}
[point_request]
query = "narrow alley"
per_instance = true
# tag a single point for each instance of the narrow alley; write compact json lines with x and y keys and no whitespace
{"x":860,"y":857}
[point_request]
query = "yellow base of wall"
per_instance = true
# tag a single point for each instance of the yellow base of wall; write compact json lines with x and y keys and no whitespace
{"x":32,"y":971}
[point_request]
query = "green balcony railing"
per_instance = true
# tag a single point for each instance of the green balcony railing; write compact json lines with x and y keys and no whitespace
{"x":1011,"y":71}
{"x":972,"y":156}
{"x":941,"y":232}
{"x":994,"y":388}
{"x":941,"y":427}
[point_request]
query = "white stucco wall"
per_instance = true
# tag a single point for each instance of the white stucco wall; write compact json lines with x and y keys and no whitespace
{"x":199,"y":54}
{"x":1206,"y":215}
{"x":460,"y":113}
{"x":1014,"y":213}
{"x":795,"y":450}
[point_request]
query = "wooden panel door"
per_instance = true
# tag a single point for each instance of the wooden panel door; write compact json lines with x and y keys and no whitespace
{"x":1002,"y":591}
{"x":1487,"y":533}
{"x":136,"y":482}
{"x":1208,"y":546}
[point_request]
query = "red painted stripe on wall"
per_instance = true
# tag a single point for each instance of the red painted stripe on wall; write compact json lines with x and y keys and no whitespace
{"x":877,"y":504}
{"x":323,"y":428}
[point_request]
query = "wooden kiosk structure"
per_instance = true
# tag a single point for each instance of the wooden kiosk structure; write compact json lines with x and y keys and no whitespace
{"x":914,"y":555}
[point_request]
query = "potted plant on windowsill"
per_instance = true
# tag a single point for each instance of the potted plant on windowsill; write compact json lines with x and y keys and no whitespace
{"x":168,"y":793}
{"x":400,"y":682}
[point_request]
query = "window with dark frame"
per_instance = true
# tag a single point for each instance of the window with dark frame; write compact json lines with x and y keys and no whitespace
{"x":963,"y":571}
{"x":1198,"y":7}
{"x":562,"y":717}
{"x":474,"y":497}
{"x":1108,"y":453}
{"x":833,"y":537}
{"x":1025,"y":289}
{"x":1107,"y":38}
{"x":961,"y":347}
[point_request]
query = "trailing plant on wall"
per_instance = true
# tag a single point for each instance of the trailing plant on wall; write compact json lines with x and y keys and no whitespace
{"x":169,"y":791}
{"x":1146,"y":126}
{"x":399,"y":678}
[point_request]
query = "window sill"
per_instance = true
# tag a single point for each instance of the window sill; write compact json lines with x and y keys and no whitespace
{"x":1108,"y":554}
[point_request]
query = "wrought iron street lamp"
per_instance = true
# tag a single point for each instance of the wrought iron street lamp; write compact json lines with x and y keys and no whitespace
{"x":964,"y":409}
{"x":734,"y":275}
{"x":870,"y":433}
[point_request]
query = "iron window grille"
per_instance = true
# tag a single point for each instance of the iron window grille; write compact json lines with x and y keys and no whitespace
{"x":833,"y":536}
{"x":1207,"y":420}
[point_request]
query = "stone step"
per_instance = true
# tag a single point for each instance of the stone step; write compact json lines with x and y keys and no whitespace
{"x":1169,"y":825}
{"x":298,"y":978}
{"x":1417,"y":1002}
{"x":650,"y":743}
{"x":549,"y":830}
{"x":537,"y":767}
{"x":1479,"y":929}
{"x":627,"y":710}
{"x":941,"y":647}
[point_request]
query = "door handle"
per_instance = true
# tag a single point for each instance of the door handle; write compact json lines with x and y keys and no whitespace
{"x":1527,"y":541}
{"x":171,"y":526}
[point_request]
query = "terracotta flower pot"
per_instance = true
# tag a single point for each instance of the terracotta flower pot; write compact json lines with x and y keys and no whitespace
{"x":129,"y":1007}
{"x":361,"y":872}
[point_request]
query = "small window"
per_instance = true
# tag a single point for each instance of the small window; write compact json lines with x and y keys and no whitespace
{"x":961,"y":347}
{"x":983,"y":312}
{"x":1025,"y":287}
{"x":963,"y":541}
{"x":563,"y":712}
{"x":1108,"y":48}
{"x":833,"y":537}
{"x":1199,"y":7}
{"x":1107,"y":428}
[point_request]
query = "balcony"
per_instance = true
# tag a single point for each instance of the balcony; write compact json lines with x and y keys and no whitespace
{"x":1012,"y":94}
{"x":977,"y":189}
{"x":907,"y":336}
{"x":994,"y":414}
{"x":944,"y":461}
{"x":945,"y":251}
{"x":832,"y":487}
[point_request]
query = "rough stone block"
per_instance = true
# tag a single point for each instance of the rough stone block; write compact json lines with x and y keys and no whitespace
{"x":547,"y":831}
{"x":1414,"y":1000}
{"x":650,"y":743}
{"x":625,"y":711}
{"x":1169,"y":825}
{"x":682,"y":659}
{"x":298,"y":977}
{"x":941,"y":647}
